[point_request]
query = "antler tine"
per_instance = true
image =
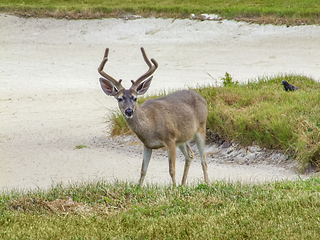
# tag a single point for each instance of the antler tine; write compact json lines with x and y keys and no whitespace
{"x":102,"y":73}
{"x":151,"y":70}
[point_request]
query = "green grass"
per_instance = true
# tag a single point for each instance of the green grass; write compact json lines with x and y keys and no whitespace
{"x":277,"y":11}
{"x":261,"y":112}
{"x":80,"y":146}
{"x":102,"y":210}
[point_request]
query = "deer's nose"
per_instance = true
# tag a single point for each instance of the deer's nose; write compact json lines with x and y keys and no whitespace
{"x":128,"y":112}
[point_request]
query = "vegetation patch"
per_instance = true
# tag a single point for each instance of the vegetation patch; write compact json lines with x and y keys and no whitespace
{"x":284,"y":12}
{"x":81,"y":146}
{"x":261,"y":112}
{"x":119,"y":210}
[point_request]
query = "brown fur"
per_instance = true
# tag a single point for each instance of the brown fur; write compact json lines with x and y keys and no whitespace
{"x":168,"y":121}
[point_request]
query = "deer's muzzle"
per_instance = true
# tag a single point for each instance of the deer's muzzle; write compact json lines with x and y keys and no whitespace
{"x":129,"y":112}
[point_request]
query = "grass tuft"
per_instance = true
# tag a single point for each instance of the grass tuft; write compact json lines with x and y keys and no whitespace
{"x":118,"y":125}
{"x":262,"y":112}
{"x":80,"y":146}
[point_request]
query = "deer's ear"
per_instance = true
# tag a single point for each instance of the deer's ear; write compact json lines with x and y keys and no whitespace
{"x":108,"y":87}
{"x":144,"y":86}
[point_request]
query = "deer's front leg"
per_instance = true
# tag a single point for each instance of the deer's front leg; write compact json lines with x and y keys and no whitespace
{"x":172,"y":162}
{"x":145,"y":163}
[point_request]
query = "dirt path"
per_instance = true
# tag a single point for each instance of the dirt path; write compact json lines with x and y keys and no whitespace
{"x":50,"y":100}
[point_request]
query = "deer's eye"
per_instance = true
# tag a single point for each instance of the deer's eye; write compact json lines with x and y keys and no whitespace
{"x":134,"y":99}
{"x":120,"y":99}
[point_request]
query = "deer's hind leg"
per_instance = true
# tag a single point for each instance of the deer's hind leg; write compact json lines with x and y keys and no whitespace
{"x":188,"y":154}
{"x":200,"y":138}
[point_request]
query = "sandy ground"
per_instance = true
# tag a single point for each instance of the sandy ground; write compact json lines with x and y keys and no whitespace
{"x":50,"y":99}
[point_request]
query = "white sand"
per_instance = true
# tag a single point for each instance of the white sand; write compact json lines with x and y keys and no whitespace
{"x":51,"y":101}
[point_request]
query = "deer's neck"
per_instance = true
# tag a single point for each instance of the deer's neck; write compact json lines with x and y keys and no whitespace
{"x":140,"y":124}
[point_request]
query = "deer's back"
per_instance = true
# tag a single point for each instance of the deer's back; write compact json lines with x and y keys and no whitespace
{"x":178,"y":115}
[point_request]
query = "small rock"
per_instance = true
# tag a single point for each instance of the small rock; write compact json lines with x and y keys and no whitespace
{"x":226,"y":145}
{"x":212,"y":17}
{"x":239,"y":158}
{"x":254,"y":149}
{"x":251,"y":156}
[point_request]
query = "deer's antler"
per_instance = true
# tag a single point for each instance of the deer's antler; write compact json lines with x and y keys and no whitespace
{"x":152,"y":68}
{"x":116,"y":83}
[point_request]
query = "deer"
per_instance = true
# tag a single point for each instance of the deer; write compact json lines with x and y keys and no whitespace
{"x":170,"y":121}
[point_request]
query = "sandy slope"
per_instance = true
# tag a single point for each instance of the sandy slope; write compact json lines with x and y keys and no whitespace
{"x":50,"y":100}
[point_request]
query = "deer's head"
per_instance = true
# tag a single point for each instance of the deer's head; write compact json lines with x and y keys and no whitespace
{"x":127,"y":97}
